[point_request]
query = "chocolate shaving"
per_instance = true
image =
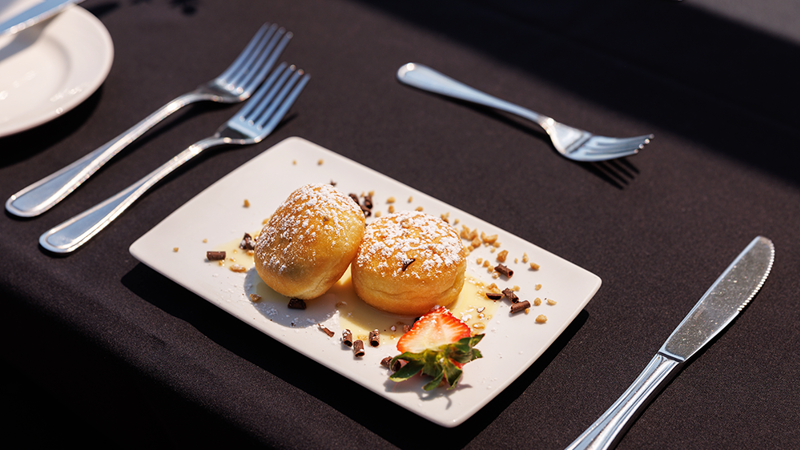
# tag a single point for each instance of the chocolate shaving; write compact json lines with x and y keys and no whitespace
{"x":347,"y":338}
{"x":247,"y":242}
{"x":296,"y":303}
{"x":368,"y":201}
{"x":358,"y":348}
{"x":407,"y":262}
{"x":385,"y":361}
{"x":494,"y":295}
{"x":510,"y":295}
{"x":398,"y":365}
{"x":355,"y":199}
{"x":374,"y":338}
{"x":333,"y":183}
{"x":365,"y":210}
{"x":504,"y":270}
{"x":215,"y":256}
{"x":521,"y":306}
{"x":325,"y":330}
{"x":406,"y":329}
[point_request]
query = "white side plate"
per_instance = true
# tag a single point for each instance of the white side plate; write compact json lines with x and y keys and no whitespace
{"x":511,"y":344}
{"x":50,"y":68}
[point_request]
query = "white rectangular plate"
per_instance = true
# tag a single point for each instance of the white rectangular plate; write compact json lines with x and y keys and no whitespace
{"x":217,"y":215}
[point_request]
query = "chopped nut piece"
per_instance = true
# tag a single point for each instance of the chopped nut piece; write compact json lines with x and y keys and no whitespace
{"x":479,"y":260}
{"x":492,"y":250}
{"x":445,"y":217}
{"x":524,"y":257}
{"x":537,"y":302}
{"x":418,"y":208}
{"x":455,"y":222}
{"x":516,"y":260}
{"x":488,"y":239}
{"x":237,"y":268}
{"x":205,"y":241}
{"x":319,"y":163}
{"x":377,"y":213}
{"x":534,"y":266}
{"x":255,"y":298}
{"x":493,"y":287}
{"x":515,"y":288}
{"x":502,"y":256}
{"x":541,"y":318}
{"x":246,"y":203}
{"x":390,"y":200}
{"x":391,"y":209}
{"x":550,"y":301}
{"x":175,"y":249}
{"x":294,"y":162}
{"x":495,"y":275}
{"x":496,"y":244}
{"x":475,"y":243}
{"x":410,"y":199}
{"x":538,"y":286}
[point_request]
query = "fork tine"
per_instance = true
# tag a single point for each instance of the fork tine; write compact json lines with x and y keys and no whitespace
{"x":287,"y":103}
{"x":262,"y":104}
{"x":257,"y":40}
{"x":603,"y":141}
{"x":276,"y":102}
{"x":249,"y":66}
{"x":262,"y":91}
{"x":274,"y":50}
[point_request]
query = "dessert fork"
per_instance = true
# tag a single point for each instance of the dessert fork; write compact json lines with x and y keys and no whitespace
{"x":250,"y":125}
{"x":573,"y":143}
{"x":234,"y":85}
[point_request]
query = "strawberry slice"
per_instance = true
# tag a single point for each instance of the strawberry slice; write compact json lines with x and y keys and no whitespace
{"x":438,"y":345}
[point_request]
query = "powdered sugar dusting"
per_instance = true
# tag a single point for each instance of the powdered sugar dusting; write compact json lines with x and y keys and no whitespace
{"x":396,"y":239}
{"x":311,"y":212}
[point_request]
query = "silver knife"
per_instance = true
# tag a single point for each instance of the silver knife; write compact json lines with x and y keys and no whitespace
{"x":34,"y":15}
{"x":723,"y":301}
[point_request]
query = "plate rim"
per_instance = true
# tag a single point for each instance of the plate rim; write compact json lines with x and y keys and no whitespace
{"x":76,"y":16}
{"x":473,"y":405}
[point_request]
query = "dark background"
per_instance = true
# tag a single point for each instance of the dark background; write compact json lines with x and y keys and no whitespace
{"x":102,"y":351}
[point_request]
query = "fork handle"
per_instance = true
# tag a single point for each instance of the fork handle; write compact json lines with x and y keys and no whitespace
{"x":76,"y":231}
{"x":47,"y":192}
{"x":427,"y":79}
{"x":610,"y":427}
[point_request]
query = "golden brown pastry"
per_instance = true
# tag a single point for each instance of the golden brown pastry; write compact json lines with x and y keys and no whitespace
{"x":408,"y":263}
{"x":309,"y":241}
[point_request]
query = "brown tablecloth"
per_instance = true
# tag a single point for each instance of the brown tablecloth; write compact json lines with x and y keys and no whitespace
{"x":99,"y":348}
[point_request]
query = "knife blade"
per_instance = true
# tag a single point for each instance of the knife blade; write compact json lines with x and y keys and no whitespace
{"x":717,"y":308}
{"x":34,"y":15}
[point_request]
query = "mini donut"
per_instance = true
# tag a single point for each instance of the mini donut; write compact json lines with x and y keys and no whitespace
{"x":408,"y":263}
{"x":309,"y":241}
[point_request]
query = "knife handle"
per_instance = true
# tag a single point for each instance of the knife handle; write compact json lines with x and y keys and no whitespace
{"x":610,"y":427}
